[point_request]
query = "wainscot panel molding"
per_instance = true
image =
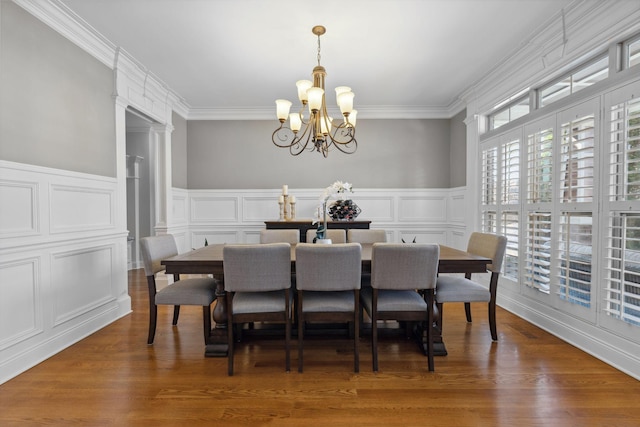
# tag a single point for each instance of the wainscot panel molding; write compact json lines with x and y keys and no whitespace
{"x":237,"y":216}
{"x":63,"y":272}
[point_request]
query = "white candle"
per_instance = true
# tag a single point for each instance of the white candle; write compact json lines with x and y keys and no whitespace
{"x":281,"y":199}
{"x":293,"y":199}
{"x":285,"y":190}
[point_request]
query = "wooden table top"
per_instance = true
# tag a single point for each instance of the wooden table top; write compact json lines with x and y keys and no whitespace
{"x":208,"y":260}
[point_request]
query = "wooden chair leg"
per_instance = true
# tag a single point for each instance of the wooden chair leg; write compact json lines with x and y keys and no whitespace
{"x":374,"y":330}
{"x":430,"y":329}
{"x":492,"y":321}
{"x":467,"y":310}
{"x":287,"y":343}
{"x":176,"y":314}
{"x":153,"y":315}
{"x":356,"y":334}
{"x":230,"y":339}
{"x":300,"y":333}
{"x":206,"y":322}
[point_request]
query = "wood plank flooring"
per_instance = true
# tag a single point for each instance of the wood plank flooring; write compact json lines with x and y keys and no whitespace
{"x":112,"y":378}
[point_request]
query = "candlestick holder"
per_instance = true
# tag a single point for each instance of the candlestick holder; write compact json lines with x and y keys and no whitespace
{"x":287,"y":205}
{"x":281,"y":210}
{"x":293,"y":210}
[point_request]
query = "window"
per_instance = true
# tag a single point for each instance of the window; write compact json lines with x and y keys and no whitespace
{"x":514,"y":107}
{"x":576,"y":160}
{"x":623,"y":268}
{"x":539,"y":166}
{"x":489,"y":176}
{"x":538,"y":252}
{"x":574,"y":258}
{"x":585,"y":76}
{"x":622,"y":258}
{"x":501,"y":180}
{"x":633,"y":52}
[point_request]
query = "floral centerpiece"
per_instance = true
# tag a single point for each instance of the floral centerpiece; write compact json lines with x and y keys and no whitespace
{"x":339,"y":189}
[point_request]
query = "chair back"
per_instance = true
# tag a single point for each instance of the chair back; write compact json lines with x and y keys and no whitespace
{"x":334,"y":267}
{"x":366,"y":236}
{"x":154,"y":249}
{"x":280,"y":236}
{"x":403,"y":267}
{"x":257,"y":268}
{"x":336,"y":235}
{"x":490,"y":246}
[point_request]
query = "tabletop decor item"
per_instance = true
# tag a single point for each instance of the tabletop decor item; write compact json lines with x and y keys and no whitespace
{"x":344,"y":210}
{"x":338,"y":189}
{"x":287,"y":205}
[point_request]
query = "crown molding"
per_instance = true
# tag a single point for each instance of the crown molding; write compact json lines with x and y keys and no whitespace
{"x":589,"y":27}
{"x":364,"y":112}
{"x":59,"y":17}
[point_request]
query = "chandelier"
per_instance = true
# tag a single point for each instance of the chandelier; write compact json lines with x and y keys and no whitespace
{"x":319,"y":132}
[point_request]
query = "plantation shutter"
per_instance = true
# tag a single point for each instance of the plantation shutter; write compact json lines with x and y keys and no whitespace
{"x":622,"y":260}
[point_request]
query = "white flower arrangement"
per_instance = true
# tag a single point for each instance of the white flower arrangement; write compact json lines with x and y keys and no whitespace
{"x":337,"y":187}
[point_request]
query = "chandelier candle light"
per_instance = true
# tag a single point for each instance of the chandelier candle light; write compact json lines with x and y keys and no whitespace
{"x":319,"y":132}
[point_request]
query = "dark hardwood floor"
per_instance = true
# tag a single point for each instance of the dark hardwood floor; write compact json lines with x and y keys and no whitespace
{"x":112,"y":378}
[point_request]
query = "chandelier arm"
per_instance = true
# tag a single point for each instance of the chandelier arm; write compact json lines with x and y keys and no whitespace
{"x":301,"y":143}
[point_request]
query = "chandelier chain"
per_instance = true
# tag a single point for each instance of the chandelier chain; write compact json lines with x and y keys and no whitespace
{"x":318,"y":49}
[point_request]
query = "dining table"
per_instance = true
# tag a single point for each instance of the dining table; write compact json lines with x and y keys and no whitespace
{"x":209,"y":260}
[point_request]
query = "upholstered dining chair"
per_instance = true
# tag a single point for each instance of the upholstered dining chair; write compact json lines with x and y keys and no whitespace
{"x":398,"y":272}
{"x":366,"y":236}
{"x":195,"y":291}
{"x":463,"y":289}
{"x":328,"y":289}
{"x":280,"y":236}
{"x":257,"y":281}
{"x":335,"y":234}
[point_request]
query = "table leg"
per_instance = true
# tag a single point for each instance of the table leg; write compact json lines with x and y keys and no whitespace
{"x":218,"y":345}
{"x":439,"y":348}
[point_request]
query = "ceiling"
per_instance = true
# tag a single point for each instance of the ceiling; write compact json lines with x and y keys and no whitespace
{"x":404,"y":55}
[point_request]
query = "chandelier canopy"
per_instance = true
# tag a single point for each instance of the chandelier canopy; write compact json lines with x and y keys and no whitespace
{"x":319,"y":132}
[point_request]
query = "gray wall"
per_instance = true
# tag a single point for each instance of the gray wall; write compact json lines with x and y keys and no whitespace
{"x":56,"y":105}
{"x":391,"y":154}
{"x":458,"y":151}
{"x":179,"y":152}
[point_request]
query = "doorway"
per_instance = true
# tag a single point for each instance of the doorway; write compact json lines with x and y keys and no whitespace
{"x":140,"y":185}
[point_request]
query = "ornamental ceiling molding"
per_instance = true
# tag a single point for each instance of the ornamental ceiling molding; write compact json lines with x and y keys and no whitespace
{"x":553,"y":50}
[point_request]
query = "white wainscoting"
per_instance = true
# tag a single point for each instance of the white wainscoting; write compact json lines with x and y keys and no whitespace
{"x":63,"y":271}
{"x":237,"y":216}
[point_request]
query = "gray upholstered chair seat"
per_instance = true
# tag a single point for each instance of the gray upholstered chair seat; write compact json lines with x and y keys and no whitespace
{"x":315,"y":302}
{"x":465,"y":290}
{"x":200,"y":291}
{"x":254,"y":302}
{"x":459,"y":289}
{"x":394,"y":300}
{"x":188,"y":292}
